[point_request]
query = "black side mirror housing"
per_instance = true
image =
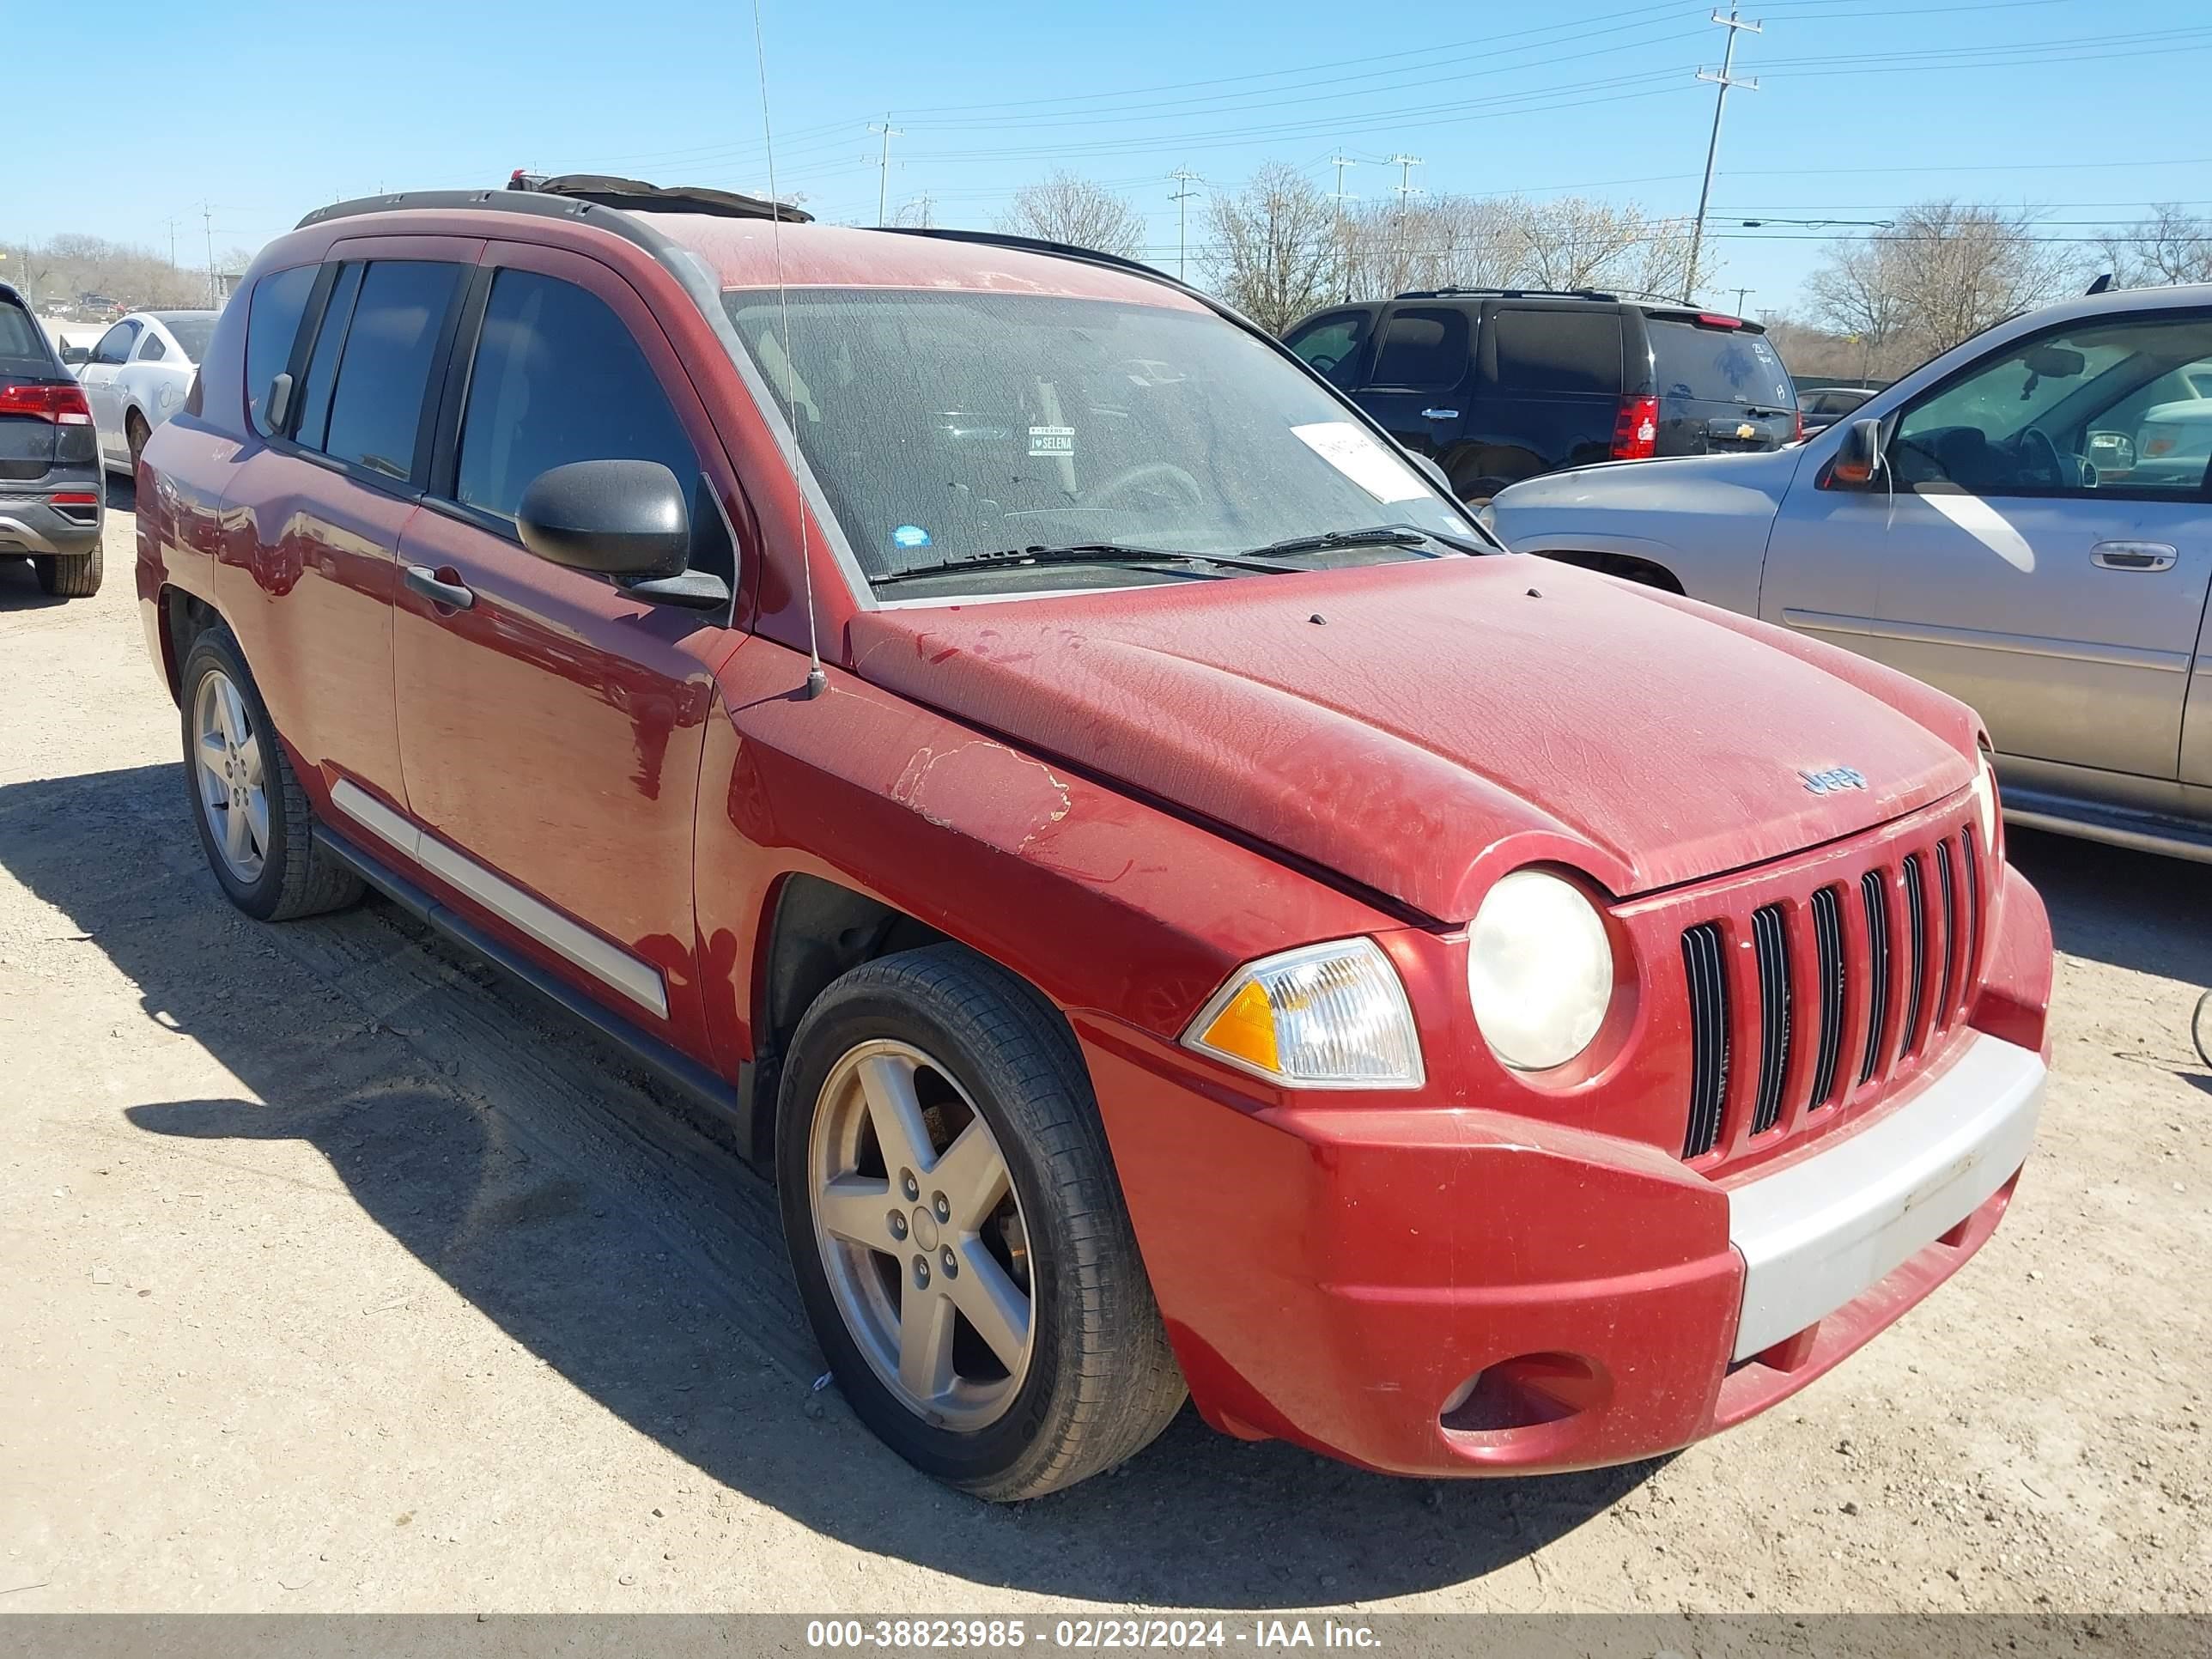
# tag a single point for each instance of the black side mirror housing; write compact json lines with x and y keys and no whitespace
{"x":619,"y":517}
{"x":72,"y":356}
{"x":1859,"y":458}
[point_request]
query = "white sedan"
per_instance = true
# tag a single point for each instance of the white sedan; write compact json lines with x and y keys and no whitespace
{"x":137,"y":376}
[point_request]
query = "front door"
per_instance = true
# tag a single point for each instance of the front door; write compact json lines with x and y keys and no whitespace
{"x":2027,"y":553}
{"x":98,"y":378}
{"x":1420,"y":376}
{"x":550,"y":725}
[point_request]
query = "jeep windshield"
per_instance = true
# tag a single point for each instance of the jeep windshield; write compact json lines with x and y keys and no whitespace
{"x":952,"y":431}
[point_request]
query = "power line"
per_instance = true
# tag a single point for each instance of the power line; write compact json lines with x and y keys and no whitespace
{"x":1734,"y":25}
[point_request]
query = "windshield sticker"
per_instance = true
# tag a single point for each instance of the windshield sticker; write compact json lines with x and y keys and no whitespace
{"x":1052,"y":440}
{"x":1360,"y":459}
{"x":909,"y":535}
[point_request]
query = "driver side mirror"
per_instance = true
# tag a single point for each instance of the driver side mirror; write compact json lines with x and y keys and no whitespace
{"x":72,"y":356}
{"x":1859,"y":458}
{"x":622,"y":518}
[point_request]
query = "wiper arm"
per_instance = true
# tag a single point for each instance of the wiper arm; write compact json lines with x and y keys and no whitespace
{"x":1086,"y":553}
{"x":1380,"y":535}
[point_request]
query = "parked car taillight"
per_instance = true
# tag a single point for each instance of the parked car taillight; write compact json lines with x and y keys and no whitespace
{"x":1635,"y":429}
{"x":65,"y":405}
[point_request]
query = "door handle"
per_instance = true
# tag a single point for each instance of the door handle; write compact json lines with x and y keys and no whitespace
{"x":1440,"y":414}
{"x":424,"y":581}
{"x":2133,"y":556}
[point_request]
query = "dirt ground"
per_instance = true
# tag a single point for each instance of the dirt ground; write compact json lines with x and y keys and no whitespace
{"x":337,"y":1275}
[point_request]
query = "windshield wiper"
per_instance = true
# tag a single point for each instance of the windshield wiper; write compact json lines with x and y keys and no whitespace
{"x":1380,"y":535}
{"x":1165,"y":559}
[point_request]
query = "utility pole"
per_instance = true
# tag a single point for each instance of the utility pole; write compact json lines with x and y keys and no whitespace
{"x":1185,"y":178}
{"x":925,"y":207}
{"x":1340,"y":161}
{"x":884,"y":163}
{"x":1740,"y":293}
{"x":207,"y":224}
{"x":172,"y":224}
{"x":1734,"y":24}
{"x":1405,"y":186}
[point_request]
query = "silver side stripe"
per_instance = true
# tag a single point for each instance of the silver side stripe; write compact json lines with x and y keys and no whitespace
{"x":638,"y":981}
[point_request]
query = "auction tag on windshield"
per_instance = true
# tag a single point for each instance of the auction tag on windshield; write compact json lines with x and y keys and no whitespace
{"x":1052,"y":440}
{"x":1360,"y":459}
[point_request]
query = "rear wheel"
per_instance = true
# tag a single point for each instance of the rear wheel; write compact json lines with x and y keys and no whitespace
{"x":69,"y":576}
{"x":134,"y":434}
{"x":254,"y":819}
{"x":958,"y":1232}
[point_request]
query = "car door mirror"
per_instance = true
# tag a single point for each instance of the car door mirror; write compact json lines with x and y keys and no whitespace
{"x":1859,"y":458}
{"x":72,"y":356}
{"x":2112,"y":452}
{"x":278,"y":404}
{"x":619,"y":517}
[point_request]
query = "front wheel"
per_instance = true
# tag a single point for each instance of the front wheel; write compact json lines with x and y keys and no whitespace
{"x":957,"y":1232}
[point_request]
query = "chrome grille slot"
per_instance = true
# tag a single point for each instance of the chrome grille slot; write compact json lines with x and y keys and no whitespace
{"x":1916,"y":952}
{"x":1877,"y":926}
{"x":1946,"y":897}
{"x":1706,"y":968}
{"x":1828,"y":949}
{"x":1973,"y":868}
{"x":1772,"y":950}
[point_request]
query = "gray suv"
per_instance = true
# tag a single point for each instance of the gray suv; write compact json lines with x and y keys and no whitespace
{"x":2023,"y":522}
{"x":51,"y":493}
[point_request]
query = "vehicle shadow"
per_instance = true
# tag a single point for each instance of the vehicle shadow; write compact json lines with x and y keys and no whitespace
{"x":522,"y":1163}
{"x":19,"y":586}
{"x":122,"y":492}
{"x":2131,"y":910}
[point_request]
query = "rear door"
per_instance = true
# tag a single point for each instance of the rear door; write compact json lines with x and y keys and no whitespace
{"x":1721,"y":385}
{"x":1419,"y":374}
{"x":1550,"y":385}
{"x":552,"y":725}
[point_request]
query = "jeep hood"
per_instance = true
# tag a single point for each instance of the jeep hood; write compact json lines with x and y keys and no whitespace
{"x":1414,"y":727}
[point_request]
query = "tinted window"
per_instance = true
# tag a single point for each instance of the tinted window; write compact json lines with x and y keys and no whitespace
{"x":1717,"y":365}
{"x":1557,"y":350}
{"x":389,"y":350}
{"x":192,"y":334}
{"x":314,"y":398}
{"x":1330,"y":345}
{"x":150,"y":350}
{"x":23,"y":345}
{"x":1422,"y":348}
{"x":272,"y":326}
{"x":558,"y":379}
{"x":114,"y":346}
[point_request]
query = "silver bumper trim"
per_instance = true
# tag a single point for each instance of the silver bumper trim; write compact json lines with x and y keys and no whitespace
{"x":1822,"y":1232}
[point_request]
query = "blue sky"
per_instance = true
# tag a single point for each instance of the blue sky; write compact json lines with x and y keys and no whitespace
{"x":2084,"y":107}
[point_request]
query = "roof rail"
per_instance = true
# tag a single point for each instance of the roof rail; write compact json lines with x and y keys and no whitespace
{"x":597,"y":198}
{"x":1507,"y":293}
{"x":606,"y":189}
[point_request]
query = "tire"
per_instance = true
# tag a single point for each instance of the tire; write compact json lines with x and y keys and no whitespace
{"x":291,"y":876}
{"x":69,"y":575}
{"x":1098,"y":1381}
{"x":1481,"y":490}
{"x":135,"y":432}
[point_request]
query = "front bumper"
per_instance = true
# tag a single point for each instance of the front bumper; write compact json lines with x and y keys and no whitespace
{"x":29,"y":524}
{"x":1430,"y":1289}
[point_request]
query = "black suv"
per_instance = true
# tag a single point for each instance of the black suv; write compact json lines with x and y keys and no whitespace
{"x":51,"y":488}
{"x":1500,"y":384}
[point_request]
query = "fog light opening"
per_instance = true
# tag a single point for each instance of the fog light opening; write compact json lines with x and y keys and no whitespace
{"x":1530,"y":1391}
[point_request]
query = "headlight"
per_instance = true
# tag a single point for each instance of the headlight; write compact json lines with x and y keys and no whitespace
{"x":1538,"y":970}
{"x":1986,"y":802}
{"x":1322,"y":1017}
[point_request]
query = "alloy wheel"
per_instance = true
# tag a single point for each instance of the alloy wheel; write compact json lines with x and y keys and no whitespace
{"x":232,"y":791}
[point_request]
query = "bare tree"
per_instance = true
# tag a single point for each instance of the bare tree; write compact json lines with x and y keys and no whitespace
{"x":1447,"y":241}
{"x":2170,"y":247}
{"x":1942,"y":273}
{"x":1274,"y":252}
{"x":1067,"y":209}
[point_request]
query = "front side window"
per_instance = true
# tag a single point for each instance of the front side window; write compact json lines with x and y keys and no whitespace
{"x":2109,"y":405}
{"x":1330,"y":345}
{"x":384,"y":376}
{"x":272,"y":323}
{"x":1422,"y":348}
{"x":946,"y":427}
{"x":114,"y":346}
{"x":558,"y":379}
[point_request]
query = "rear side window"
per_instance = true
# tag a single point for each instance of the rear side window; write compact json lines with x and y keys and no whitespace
{"x":384,"y":377}
{"x":1422,"y":348}
{"x":271,"y":325}
{"x":558,"y":379}
{"x":1719,"y":364}
{"x":1557,"y":350}
{"x":22,"y":345}
{"x":151,"y":350}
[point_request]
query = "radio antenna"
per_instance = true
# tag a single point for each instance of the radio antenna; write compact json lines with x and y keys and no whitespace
{"x":816,"y":681}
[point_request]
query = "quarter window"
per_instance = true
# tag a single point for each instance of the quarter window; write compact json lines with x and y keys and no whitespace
{"x":2105,"y":405}
{"x":1422,"y":348}
{"x":384,"y":376}
{"x":559,"y":378}
{"x":151,"y":350}
{"x":1544,"y":351}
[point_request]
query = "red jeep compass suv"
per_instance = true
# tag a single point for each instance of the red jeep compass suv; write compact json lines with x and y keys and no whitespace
{"x":1174,"y":908}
